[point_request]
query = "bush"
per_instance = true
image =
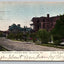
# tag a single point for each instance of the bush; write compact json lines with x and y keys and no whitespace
{"x":43,"y":35}
{"x":11,"y":36}
{"x":57,"y":39}
{"x":57,"y":42}
{"x":19,"y":36}
{"x":33,"y":36}
{"x":15,"y":36}
{"x":1,"y":34}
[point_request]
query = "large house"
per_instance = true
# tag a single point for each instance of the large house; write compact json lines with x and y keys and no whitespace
{"x":47,"y":23}
{"x":17,"y":28}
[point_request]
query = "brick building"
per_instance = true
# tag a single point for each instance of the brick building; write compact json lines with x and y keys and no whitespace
{"x":47,"y":23}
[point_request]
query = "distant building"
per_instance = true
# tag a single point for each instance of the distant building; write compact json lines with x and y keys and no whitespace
{"x":47,"y":23}
{"x":27,"y":29}
{"x":16,"y":28}
{"x":4,"y":33}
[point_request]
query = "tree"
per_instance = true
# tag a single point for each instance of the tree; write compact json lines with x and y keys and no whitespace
{"x":58,"y":31}
{"x":43,"y":35}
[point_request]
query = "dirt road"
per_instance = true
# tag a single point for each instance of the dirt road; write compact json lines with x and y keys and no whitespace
{"x":24,"y":46}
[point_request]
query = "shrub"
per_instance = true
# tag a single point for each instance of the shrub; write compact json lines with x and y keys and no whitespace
{"x":33,"y":36}
{"x":15,"y":36}
{"x":57,"y":42}
{"x":1,"y":34}
{"x":43,"y":35}
{"x":11,"y":36}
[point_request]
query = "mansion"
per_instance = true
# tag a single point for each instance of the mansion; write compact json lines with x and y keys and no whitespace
{"x":47,"y":23}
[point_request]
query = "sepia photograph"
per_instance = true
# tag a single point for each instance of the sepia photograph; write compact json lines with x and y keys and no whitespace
{"x":36,"y":25}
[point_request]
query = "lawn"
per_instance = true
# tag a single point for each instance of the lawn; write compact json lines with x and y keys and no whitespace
{"x":53,"y":45}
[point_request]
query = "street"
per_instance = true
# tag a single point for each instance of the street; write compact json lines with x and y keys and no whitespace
{"x":24,"y":46}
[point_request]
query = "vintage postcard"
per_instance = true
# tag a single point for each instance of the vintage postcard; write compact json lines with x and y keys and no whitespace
{"x":32,"y":30}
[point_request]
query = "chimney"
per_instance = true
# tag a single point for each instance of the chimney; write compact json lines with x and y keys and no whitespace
{"x":47,"y":15}
{"x":18,"y":25}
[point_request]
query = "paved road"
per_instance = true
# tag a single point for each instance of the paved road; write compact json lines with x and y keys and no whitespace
{"x":24,"y":46}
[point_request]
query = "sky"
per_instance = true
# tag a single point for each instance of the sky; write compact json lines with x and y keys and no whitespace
{"x":22,"y":12}
{"x":31,"y":62}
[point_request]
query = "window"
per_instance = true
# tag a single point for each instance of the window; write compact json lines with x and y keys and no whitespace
{"x":43,"y":25}
{"x":38,"y":21}
{"x":43,"y":20}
